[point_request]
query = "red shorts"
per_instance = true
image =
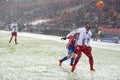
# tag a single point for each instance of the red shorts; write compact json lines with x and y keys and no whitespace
{"x":14,"y":34}
{"x":84,"y":49}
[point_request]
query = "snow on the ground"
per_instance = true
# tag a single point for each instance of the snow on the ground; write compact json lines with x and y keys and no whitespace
{"x":31,"y":60}
{"x":98,"y":44}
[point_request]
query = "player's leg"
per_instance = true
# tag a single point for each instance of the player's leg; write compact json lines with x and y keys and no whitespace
{"x":12,"y":34}
{"x":66,"y":57}
{"x":72,"y":58}
{"x":79,"y":53}
{"x":87,"y":52}
{"x":16,"y":38}
{"x":73,"y":55}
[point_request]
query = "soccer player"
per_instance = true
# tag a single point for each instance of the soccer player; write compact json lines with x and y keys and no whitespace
{"x":81,"y":45}
{"x":71,"y":49}
{"x":14,"y":27}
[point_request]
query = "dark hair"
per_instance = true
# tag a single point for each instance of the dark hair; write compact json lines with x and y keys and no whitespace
{"x":87,"y":23}
{"x":14,"y":20}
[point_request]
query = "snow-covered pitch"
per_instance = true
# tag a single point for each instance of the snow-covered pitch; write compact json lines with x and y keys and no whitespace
{"x":36,"y":58}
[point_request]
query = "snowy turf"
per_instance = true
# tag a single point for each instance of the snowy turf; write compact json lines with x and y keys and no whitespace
{"x":97,"y":44}
{"x":36,"y":56}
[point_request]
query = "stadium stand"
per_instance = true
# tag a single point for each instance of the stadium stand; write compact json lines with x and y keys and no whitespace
{"x":63,"y":14}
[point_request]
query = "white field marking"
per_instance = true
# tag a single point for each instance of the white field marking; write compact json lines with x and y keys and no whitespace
{"x":97,"y":44}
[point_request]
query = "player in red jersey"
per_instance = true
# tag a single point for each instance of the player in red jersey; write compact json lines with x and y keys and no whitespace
{"x":71,"y":49}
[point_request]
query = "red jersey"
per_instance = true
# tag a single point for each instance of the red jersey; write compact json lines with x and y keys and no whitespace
{"x":72,"y":40}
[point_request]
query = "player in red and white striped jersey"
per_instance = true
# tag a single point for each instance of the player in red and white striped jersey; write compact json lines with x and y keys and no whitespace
{"x":81,"y":45}
{"x":14,"y":27}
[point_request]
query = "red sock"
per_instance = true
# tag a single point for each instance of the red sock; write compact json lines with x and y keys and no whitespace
{"x":76,"y":61}
{"x":91,"y":63}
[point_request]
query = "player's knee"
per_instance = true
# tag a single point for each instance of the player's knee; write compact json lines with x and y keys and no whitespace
{"x":68,"y":56}
{"x":74,"y":55}
{"x":78,"y":56}
{"x":90,"y":57}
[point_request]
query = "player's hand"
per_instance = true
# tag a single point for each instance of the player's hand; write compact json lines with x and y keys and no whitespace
{"x":90,"y":48}
{"x":63,"y":38}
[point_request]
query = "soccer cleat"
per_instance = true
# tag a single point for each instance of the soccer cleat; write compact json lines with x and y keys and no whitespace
{"x":71,"y":72}
{"x":92,"y":70}
{"x":60,"y":62}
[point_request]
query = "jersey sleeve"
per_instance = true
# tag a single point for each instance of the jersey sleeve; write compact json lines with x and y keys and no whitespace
{"x":74,"y":32}
{"x":90,"y":34}
{"x":88,"y":38}
{"x":11,"y":26}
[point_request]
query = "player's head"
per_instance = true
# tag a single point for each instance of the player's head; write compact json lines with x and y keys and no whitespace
{"x":87,"y":26}
{"x":14,"y":21}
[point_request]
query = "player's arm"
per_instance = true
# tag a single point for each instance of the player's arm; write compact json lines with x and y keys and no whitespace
{"x":63,"y":38}
{"x":88,"y":41}
{"x":66,"y":37}
{"x":71,"y":33}
{"x":11,"y":26}
{"x":74,"y":32}
{"x":88,"y":44}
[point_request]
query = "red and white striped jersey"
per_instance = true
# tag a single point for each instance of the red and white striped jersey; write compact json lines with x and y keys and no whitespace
{"x":83,"y":36}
